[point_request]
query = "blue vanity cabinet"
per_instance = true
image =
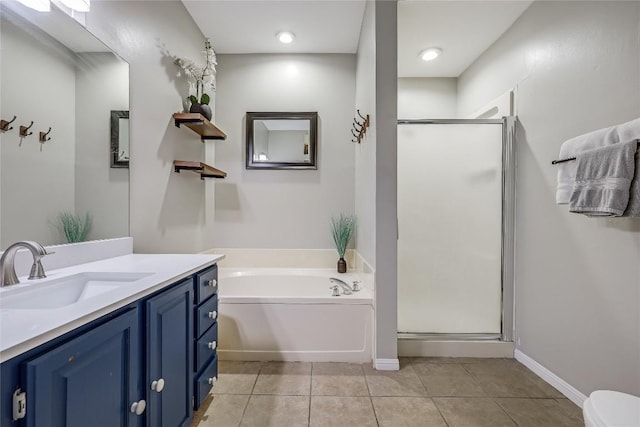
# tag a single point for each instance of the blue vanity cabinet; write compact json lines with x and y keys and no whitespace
{"x":169,"y":357}
{"x":91,"y":380}
{"x":205,"y":333}
{"x":134,"y":367}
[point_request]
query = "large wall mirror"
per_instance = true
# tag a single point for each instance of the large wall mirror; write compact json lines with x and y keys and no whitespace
{"x":57,"y":75}
{"x":282,"y":140}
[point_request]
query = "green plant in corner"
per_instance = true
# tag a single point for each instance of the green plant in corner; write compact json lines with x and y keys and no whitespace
{"x":74,"y":227}
{"x":341,"y":231}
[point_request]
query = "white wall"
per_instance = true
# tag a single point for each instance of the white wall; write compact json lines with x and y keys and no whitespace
{"x":365,"y":155}
{"x":168,"y":210}
{"x":37,"y":182}
{"x":576,"y":67}
{"x":375,"y":164}
{"x":102,"y":85}
{"x":427,"y":98}
{"x":284,"y":208}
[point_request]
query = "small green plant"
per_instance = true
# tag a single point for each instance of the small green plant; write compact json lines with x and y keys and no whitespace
{"x":341,"y":230}
{"x":204,"y":99}
{"x":75,"y":228}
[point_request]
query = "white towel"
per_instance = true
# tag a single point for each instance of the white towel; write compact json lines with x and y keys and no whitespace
{"x":600,"y":138}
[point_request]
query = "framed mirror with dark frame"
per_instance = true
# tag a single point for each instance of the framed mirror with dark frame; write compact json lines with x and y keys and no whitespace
{"x":281,"y":140}
{"x":119,"y":139}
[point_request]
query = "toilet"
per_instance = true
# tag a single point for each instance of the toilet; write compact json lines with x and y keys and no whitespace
{"x":605,"y":408}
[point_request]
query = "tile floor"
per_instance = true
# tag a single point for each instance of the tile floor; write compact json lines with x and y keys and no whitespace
{"x":436,"y":392}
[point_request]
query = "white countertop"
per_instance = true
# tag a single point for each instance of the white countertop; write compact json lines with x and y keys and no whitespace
{"x":24,"y":329}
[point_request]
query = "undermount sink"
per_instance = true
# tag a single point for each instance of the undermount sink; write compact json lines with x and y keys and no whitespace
{"x":58,"y":293}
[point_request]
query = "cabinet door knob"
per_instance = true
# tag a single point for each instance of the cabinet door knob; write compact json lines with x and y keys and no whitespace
{"x":157,"y":385}
{"x":138,"y":407}
{"x":212,"y":380}
{"x":212,"y":345}
{"x":213,"y":283}
{"x":213,"y":314}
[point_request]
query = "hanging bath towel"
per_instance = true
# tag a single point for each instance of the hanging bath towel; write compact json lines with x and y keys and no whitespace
{"x":603,"y":180}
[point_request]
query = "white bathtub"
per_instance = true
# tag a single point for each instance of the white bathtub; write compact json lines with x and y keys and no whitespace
{"x":290,"y":315}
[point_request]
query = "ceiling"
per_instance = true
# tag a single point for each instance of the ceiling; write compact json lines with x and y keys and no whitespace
{"x":250,"y":26}
{"x":463,"y":29}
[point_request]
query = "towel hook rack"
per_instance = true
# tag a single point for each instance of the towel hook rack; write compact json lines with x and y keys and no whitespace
{"x":43,"y":136}
{"x":4,"y":125}
{"x":24,"y":129}
{"x":568,"y":159}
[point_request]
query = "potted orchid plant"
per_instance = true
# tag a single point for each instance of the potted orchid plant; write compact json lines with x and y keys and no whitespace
{"x":202,"y":77}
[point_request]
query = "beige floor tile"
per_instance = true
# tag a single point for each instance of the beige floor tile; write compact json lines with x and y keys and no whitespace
{"x":294,"y":368}
{"x":447,"y":379}
{"x":404,"y":382}
{"x":276,"y":411}
{"x":539,"y":413}
{"x":570,"y":408}
{"x":505,"y":380}
{"x":472,"y":412}
{"x":338,"y":379}
{"x":458,"y":360}
{"x":224,"y":411}
{"x":407,"y":412}
{"x":236,"y":377}
{"x":342,"y":411}
{"x":286,"y":384}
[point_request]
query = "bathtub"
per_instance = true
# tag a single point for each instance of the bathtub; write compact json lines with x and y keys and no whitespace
{"x":290,"y":315}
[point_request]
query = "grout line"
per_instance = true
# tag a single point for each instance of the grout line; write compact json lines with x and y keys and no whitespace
{"x":439,"y":411}
{"x":310,"y":394}
{"x":505,"y":411}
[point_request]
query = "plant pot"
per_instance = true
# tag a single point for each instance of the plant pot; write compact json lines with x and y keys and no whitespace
{"x":203,"y":109}
{"x":342,"y":266}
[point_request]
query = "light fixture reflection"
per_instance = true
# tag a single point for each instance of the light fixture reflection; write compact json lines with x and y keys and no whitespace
{"x":285,"y":37}
{"x":39,"y":5}
{"x":77,"y":5}
{"x":430,"y":54}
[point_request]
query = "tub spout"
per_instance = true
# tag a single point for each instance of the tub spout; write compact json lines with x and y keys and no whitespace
{"x":346,"y":289}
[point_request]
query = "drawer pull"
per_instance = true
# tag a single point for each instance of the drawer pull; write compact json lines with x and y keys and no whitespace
{"x":212,"y":314}
{"x":138,"y":407}
{"x":213,"y":283}
{"x":158,"y":385}
{"x":212,"y":345}
{"x":212,"y":380}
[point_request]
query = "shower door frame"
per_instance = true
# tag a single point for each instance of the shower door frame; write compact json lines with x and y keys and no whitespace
{"x":508,"y":232}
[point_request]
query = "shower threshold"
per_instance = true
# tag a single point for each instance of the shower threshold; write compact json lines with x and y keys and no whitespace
{"x":453,"y":345}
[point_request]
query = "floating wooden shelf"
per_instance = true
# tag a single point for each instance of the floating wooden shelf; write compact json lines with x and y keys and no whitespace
{"x":200,"y":125}
{"x":202,"y":169}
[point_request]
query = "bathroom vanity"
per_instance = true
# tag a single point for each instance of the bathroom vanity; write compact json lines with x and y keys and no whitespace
{"x":140,"y":353}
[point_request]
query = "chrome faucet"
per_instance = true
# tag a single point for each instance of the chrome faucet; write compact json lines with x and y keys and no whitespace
{"x":346,"y":289}
{"x":7,"y":267}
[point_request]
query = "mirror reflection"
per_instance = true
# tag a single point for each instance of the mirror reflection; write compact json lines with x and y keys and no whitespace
{"x":57,"y":75}
{"x":281,"y":140}
{"x":119,"y":139}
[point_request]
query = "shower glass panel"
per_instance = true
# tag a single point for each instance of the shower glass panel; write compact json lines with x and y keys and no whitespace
{"x":450,"y":178}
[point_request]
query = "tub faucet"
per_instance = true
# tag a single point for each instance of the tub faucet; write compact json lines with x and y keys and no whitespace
{"x":7,"y":267}
{"x":346,"y":289}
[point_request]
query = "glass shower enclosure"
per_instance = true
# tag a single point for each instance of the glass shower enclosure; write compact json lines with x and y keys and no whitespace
{"x":456,"y":182}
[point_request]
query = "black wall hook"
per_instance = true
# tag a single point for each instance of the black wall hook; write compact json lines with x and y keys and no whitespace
{"x":43,"y":136}
{"x":24,"y":129}
{"x":4,"y":125}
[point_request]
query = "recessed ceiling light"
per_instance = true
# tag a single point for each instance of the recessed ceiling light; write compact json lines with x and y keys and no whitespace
{"x":285,"y":37}
{"x":430,"y":54}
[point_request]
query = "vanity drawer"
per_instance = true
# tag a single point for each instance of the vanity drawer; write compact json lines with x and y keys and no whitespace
{"x":206,"y":283}
{"x":206,"y":346}
{"x":205,"y":381}
{"x":206,"y":315}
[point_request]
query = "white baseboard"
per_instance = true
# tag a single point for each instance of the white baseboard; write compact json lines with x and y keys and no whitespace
{"x":387,"y":364}
{"x":443,"y":348}
{"x":295,"y":356}
{"x":563,"y":387}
